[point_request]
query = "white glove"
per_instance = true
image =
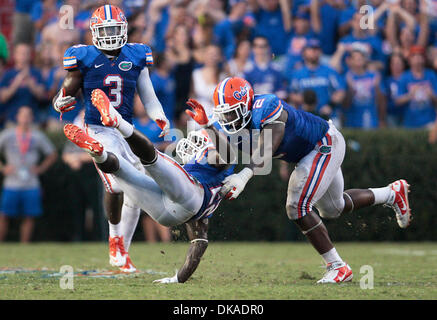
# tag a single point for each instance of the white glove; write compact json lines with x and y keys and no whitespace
{"x":64,"y":103}
{"x":173,"y":279}
{"x":234,"y":184}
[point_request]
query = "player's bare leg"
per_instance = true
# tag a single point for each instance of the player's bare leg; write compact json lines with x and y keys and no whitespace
{"x":315,"y":230}
{"x":395,"y":195}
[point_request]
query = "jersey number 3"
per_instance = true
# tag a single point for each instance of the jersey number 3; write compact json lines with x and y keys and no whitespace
{"x":115,"y":84}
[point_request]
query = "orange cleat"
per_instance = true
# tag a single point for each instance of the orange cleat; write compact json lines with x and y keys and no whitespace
{"x":117,"y":255}
{"x":109,"y":115}
{"x":82,"y":140}
{"x":129,"y":266}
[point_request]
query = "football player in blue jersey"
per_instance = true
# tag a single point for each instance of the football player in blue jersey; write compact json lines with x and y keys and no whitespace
{"x":169,"y":193}
{"x":119,"y":69}
{"x":317,"y":148}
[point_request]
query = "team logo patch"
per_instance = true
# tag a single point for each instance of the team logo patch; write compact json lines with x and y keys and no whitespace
{"x":240,"y":94}
{"x":125,"y":65}
{"x":325,"y":149}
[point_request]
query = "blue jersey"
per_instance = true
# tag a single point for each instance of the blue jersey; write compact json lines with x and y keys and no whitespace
{"x":264,"y":80}
{"x":420,"y":110}
{"x":394,"y":112}
{"x":373,"y":45}
{"x":211,"y":179}
{"x":328,"y":34}
{"x":270,"y":25}
{"x":117,"y":77}
{"x":363,"y":113}
{"x":323,"y":81}
{"x":303,"y":130}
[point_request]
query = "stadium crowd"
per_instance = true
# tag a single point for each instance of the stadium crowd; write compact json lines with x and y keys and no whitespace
{"x":363,"y":63}
{"x":327,"y":56}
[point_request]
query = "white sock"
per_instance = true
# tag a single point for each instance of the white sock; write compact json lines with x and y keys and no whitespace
{"x":114,"y":230}
{"x":102,"y":158}
{"x":383,"y":195}
{"x":331,"y":256}
{"x":129,"y":221}
{"x":125,"y":128}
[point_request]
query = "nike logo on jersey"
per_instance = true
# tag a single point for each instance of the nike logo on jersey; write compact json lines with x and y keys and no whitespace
{"x":98,"y":65}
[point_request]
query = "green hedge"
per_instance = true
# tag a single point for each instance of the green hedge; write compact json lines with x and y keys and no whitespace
{"x":373,"y":159}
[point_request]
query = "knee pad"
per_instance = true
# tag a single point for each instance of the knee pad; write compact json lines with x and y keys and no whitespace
{"x":292,"y":211}
{"x":331,"y":211}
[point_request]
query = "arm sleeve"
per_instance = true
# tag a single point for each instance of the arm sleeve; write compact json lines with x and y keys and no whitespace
{"x":148,"y":96}
{"x":70,"y":59}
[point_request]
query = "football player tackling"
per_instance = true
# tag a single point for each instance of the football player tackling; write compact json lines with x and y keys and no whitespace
{"x":119,"y":69}
{"x":317,"y":148}
{"x":170,"y":194}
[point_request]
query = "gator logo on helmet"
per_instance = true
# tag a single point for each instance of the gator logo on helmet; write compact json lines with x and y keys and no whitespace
{"x":240,"y":94}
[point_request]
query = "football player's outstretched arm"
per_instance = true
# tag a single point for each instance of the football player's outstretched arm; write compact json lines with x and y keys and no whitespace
{"x":270,"y":138}
{"x":198,"y":235}
{"x":150,"y":101}
{"x":64,"y":100}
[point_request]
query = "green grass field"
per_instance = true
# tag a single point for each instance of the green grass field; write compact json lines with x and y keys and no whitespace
{"x":227,"y":271}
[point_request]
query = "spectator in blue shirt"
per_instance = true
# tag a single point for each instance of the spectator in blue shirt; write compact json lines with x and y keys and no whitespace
{"x":418,"y":89}
{"x":364,"y":105}
{"x":21,"y":85}
{"x":364,"y":37}
{"x":324,"y":22}
{"x":395,"y":113}
{"x":379,"y":15}
{"x":43,"y":13}
{"x":327,"y":84}
{"x":273,"y":21}
{"x":300,"y":35}
{"x":264,"y":76}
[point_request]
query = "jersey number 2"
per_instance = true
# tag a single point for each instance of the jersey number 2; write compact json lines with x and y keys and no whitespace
{"x":115,"y":82}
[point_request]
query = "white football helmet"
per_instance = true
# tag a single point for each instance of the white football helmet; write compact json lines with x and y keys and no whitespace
{"x":195,"y":142}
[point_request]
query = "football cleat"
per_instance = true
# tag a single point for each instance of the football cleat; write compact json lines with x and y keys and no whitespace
{"x":337,"y":272}
{"x":82,"y":140}
{"x":117,"y":255}
{"x":129,"y":266}
{"x":401,"y":205}
{"x":109,"y":115}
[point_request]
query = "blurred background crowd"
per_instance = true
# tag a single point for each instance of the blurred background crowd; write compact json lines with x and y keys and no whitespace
{"x":366,"y":64}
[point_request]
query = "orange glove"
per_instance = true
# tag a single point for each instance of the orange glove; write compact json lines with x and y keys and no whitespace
{"x":199,"y":114}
